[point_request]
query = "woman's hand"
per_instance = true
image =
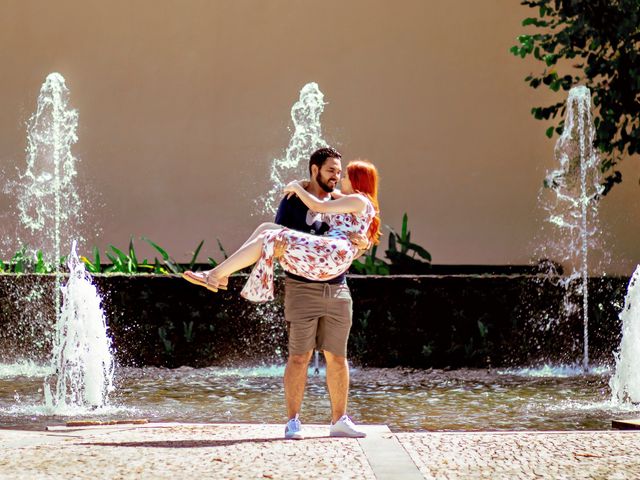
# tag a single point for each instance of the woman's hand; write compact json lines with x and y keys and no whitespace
{"x":293,"y":188}
{"x":359,"y":240}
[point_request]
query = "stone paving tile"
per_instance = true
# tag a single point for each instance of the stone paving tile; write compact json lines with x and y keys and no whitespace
{"x":188,"y":451}
{"x":195,"y":452}
{"x":510,"y":455}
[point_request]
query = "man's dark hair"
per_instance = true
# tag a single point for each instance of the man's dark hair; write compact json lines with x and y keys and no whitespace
{"x":320,"y":156}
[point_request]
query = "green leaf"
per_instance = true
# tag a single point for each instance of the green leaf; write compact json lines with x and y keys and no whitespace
{"x":132,"y":253}
{"x":420,"y":251}
{"x":392,"y":241}
{"x":90,"y":266}
{"x":524,"y":39}
{"x":405,"y":221}
{"x":122,"y":256}
{"x":114,"y":260}
{"x":158,"y":268}
{"x":195,"y":255}
{"x":40,"y":266}
{"x":549,"y":132}
{"x":162,"y":252}
{"x":174,"y":267}
{"x":96,"y":255}
{"x":222,"y":249}
{"x":482,"y":328}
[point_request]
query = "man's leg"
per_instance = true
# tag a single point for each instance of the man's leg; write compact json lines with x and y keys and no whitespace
{"x":333,"y":333}
{"x":337,"y":384}
{"x":295,"y":379}
{"x":302,"y":304}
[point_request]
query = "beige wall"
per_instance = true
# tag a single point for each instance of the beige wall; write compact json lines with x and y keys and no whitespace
{"x":184,"y":103}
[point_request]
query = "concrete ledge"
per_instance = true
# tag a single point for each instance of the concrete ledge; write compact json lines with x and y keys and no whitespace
{"x":630,"y":424}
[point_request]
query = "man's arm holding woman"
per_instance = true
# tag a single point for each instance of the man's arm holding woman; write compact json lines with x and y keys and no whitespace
{"x":352,"y":203}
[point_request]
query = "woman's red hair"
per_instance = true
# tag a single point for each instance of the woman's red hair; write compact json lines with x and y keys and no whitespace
{"x":363,"y":176}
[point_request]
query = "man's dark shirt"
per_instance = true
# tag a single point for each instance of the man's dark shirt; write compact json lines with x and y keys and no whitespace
{"x":293,"y":213}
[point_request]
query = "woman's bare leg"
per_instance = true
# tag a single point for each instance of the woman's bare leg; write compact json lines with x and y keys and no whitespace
{"x":246,"y":255}
{"x":261,"y":228}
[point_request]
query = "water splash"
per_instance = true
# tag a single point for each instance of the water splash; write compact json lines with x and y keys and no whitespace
{"x":48,"y":203}
{"x":307,"y":137}
{"x":625,"y":383}
{"x":82,"y":357}
{"x":23,"y":368}
{"x":553,"y":371}
{"x":576,"y":186}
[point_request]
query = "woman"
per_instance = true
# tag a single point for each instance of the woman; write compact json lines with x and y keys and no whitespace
{"x":310,"y":256}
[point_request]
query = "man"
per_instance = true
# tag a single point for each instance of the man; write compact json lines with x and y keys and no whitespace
{"x":318,"y":314}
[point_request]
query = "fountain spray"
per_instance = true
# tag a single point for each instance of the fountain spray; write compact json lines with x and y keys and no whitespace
{"x":49,"y":209}
{"x":82,"y":357}
{"x":577,"y":186}
{"x":625,"y":383}
{"x":306,"y":138}
{"x":47,"y":198}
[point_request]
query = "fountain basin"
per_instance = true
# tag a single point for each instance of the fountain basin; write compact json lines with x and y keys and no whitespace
{"x":403,"y":399}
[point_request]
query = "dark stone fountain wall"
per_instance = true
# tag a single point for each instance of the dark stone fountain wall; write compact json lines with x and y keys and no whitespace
{"x":415,"y":321}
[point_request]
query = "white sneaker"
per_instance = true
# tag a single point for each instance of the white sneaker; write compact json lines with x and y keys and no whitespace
{"x":293,"y":430}
{"x":345,"y":428}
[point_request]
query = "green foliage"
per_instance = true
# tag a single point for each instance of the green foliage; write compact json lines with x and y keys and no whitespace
{"x":602,"y":40}
{"x":93,"y":266}
{"x":19,"y":260}
{"x":482,"y":328}
{"x":189,"y":334}
{"x":167,"y":343}
{"x":405,"y":256}
{"x":169,"y":263}
{"x":22,"y":262}
{"x":371,"y":265}
{"x":128,"y":262}
{"x":122,"y":261}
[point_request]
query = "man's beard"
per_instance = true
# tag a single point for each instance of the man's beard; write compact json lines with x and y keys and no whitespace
{"x":324,"y":186}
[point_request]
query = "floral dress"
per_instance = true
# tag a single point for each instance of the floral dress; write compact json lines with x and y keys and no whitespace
{"x":310,"y":256}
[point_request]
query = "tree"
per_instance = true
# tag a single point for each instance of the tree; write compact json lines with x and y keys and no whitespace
{"x":604,"y":37}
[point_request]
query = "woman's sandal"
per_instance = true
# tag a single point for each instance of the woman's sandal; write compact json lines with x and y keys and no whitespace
{"x":192,"y":277}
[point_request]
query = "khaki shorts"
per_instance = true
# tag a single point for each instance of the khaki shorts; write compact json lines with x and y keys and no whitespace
{"x":318,"y":316}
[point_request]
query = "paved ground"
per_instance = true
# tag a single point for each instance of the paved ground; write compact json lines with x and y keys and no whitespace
{"x":199,"y":451}
{"x":509,"y":455}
